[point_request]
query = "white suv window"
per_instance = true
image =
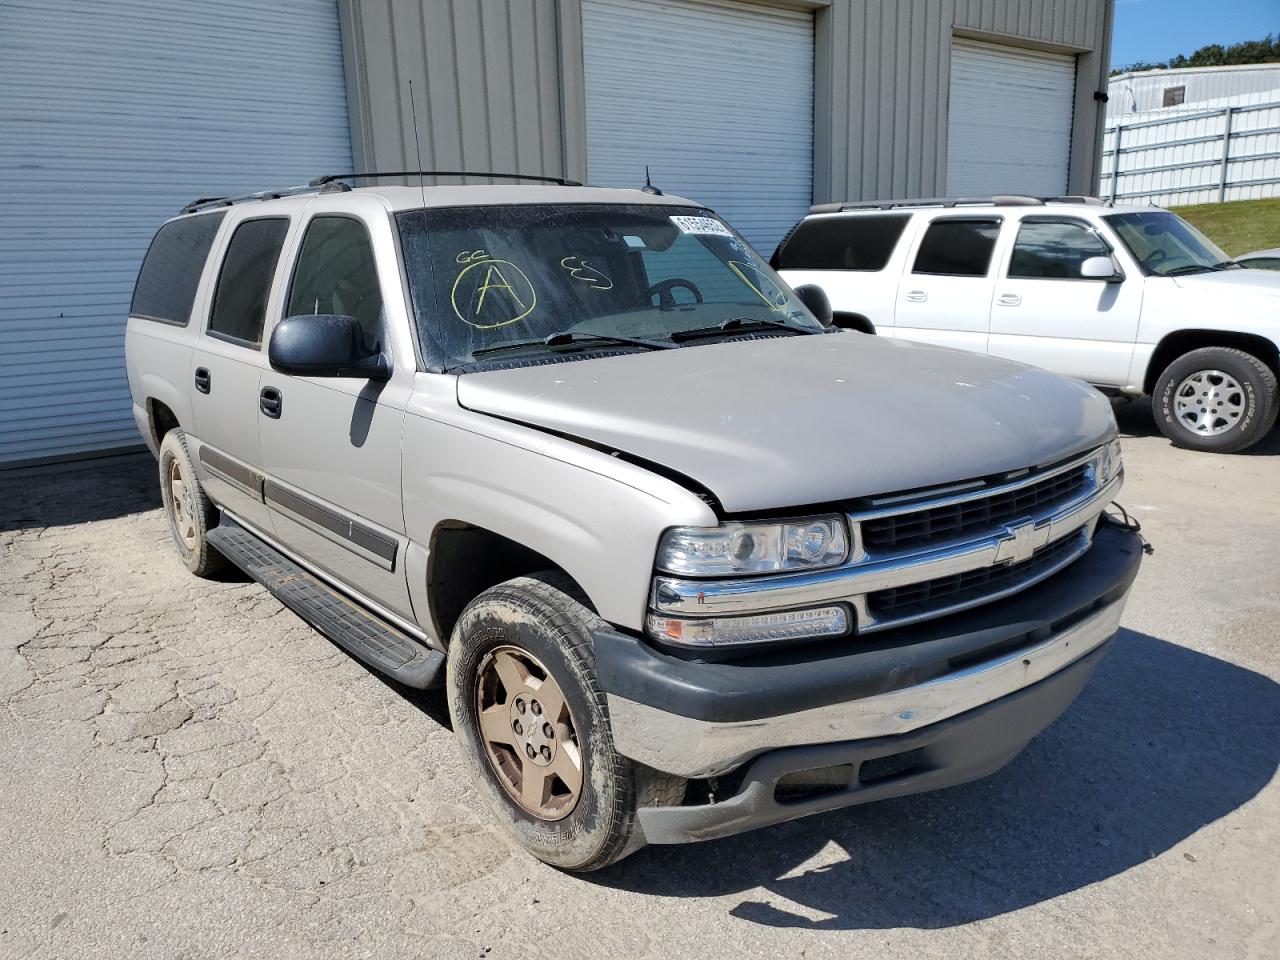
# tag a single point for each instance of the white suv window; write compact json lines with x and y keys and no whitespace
{"x":1053,"y":250}
{"x":957,"y":247}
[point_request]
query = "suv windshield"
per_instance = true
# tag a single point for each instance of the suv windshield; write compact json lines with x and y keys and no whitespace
{"x":1166,"y":245}
{"x":519,"y":283}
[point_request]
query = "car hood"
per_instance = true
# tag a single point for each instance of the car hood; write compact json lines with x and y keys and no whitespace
{"x":789,"y":422}
{"x":1263,"y":284}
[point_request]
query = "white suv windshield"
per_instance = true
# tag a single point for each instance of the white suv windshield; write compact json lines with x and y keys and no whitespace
{"x":1166,"y":245}
{"x":527,"y":283}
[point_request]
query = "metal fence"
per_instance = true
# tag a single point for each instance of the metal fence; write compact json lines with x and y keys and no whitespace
{"x":1202,"y":156}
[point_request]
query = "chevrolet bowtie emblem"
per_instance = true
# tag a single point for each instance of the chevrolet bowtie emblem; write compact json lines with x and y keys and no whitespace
{"x":1021,"y":541}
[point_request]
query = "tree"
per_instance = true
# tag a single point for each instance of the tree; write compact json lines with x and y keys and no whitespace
{"x":1266,"y":50}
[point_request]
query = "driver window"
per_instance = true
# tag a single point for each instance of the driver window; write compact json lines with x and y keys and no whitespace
{"x":1048,"y":250}
{"x":336,"y":273}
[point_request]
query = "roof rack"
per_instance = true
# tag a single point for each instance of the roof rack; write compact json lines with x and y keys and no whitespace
{"x":336,"y":177}
{"x":998,"y":200}
{"x":205,"y":203}
{"x":333,"y":183}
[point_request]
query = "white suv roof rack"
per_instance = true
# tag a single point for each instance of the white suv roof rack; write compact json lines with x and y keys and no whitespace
{"x":998,"y":200}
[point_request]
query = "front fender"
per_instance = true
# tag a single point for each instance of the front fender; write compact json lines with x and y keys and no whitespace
{"x":597,"y":517}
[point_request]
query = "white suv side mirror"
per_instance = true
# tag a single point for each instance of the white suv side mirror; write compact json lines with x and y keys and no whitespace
{"x":1100,"y":268}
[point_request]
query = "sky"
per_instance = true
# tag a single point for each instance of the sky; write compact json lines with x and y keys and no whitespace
{"x":1155,"y":30}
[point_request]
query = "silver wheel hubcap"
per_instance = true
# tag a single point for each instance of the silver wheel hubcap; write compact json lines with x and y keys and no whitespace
{"x":1209,"y":403}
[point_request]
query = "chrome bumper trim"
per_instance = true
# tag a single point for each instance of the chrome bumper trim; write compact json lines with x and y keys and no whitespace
{"x":672,"y":596}
{"x":701,"y":748}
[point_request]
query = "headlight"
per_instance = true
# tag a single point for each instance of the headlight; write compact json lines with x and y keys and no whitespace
{"x":734,"y":548}
{"x":1110,"y":463}
{"x":741,"y":631}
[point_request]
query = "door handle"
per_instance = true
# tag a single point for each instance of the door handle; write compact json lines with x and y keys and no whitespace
{"x":917,"y":296}
{"x":1008,"y":299}
{"x":204,"y":380}
{"x":270,"y":402}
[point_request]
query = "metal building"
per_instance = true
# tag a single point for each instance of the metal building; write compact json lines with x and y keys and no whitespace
{"x":1188,"y":87}
{"x":114,"y":115}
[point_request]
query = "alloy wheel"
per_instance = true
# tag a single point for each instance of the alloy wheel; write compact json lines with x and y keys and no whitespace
{"x":183,"y":506}
{"x":528,"y":732}
{"x":1209,"y":402}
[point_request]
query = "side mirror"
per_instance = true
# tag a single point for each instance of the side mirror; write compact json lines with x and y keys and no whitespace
{"x":815,"y":298}
{"x":325,"y":345}
{"x":1100,"y":268}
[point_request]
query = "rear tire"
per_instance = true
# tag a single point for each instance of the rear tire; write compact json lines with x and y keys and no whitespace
{"x":1216,"y":399}
{"x":190,"y":512}
{"x":576,"y":818}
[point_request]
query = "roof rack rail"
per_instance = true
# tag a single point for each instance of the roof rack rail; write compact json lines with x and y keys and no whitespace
{"x":999,"y":200}
{"x":1073,"y":198}
{"x":333,"y":178}
{"x":205,"y":203}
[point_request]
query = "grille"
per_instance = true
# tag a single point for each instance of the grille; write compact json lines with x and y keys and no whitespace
{"x":930,"y":596}
{"x":936,"y":525}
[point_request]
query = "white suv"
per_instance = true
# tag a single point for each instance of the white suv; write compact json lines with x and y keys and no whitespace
{"x":1131,"y":299}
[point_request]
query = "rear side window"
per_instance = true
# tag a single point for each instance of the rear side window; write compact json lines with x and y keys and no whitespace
{"x":336,"y":274}
{"x":244,"y":283}
{"x":842,"y":243}
{"x":166,"y":287}
{"x":957,"y":248}
{"x":1053,"y":251}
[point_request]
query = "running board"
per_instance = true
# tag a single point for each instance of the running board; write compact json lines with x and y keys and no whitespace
{"x":363,"y":634}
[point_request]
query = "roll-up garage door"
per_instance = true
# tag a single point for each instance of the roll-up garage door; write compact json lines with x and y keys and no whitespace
{"x":716,"y":98}
{"x":1009,"y":120}
{"x":114,"y":115}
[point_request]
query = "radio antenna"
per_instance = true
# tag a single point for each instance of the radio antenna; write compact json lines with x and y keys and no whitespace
{"x":648,"y":184}
{"x":417,"y":143}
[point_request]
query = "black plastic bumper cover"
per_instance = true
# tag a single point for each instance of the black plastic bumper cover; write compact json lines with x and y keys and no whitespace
{"x":963,"y":748}
{"x":817,"y":675}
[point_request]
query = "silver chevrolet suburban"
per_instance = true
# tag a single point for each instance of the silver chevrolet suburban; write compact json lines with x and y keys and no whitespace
{"x":688,"y":558}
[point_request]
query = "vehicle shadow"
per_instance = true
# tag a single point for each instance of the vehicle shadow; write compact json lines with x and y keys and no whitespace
{"x":1163,"y":741}
{"x":1135,"y":419}
{"x":60,"y":495}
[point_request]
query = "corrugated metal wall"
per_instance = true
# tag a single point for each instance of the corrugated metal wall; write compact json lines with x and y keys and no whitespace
{"x":112,"y":117}
{"x":880,"y":110}
{"x":486,"y":79}
{"x":881,"y":122}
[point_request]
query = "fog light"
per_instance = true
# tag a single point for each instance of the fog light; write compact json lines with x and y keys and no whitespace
{"x":739,"y":631}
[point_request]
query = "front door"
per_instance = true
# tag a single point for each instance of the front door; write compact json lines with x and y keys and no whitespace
{"x":945,"y":299}
{"x":331,"y":446}
{"x":227,"y":365}
{"x":1044,"y":313}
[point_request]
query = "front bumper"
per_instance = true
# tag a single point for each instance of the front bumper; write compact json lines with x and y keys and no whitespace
{"x":860,"y":694}
{"x":945,"y":754}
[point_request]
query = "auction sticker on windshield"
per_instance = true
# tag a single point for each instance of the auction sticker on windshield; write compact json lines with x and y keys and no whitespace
{"x":708,"y":226}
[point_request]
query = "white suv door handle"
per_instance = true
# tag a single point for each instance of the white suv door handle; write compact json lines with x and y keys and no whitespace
{"x":917,"y":296}
{"x":1008,"y":299}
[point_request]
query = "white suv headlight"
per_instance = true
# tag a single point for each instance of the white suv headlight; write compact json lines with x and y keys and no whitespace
{"x":737,"y":548}
{"x":1110,"y":463}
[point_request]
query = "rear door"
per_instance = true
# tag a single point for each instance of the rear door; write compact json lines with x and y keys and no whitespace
{"x":331,"y":446}
{"x":1044,"y":313}
{"x":945,"y":296}
{"x":227,"y":365}
{"x":852,"y":258}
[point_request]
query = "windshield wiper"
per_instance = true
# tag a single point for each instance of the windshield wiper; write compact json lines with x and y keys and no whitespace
{"x":570,"y":336}
{"x":565,"y":337}
{"x":739,"y":323}
{"x":1200,"y":268}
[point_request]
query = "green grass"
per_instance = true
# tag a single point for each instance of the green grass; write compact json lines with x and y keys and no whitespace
{"x":1238,"y":227}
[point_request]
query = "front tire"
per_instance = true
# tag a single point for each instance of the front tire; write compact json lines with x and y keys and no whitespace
{"x":534,"y":725}
{"x":190,"y":512}
{"x":1216,"y":399}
